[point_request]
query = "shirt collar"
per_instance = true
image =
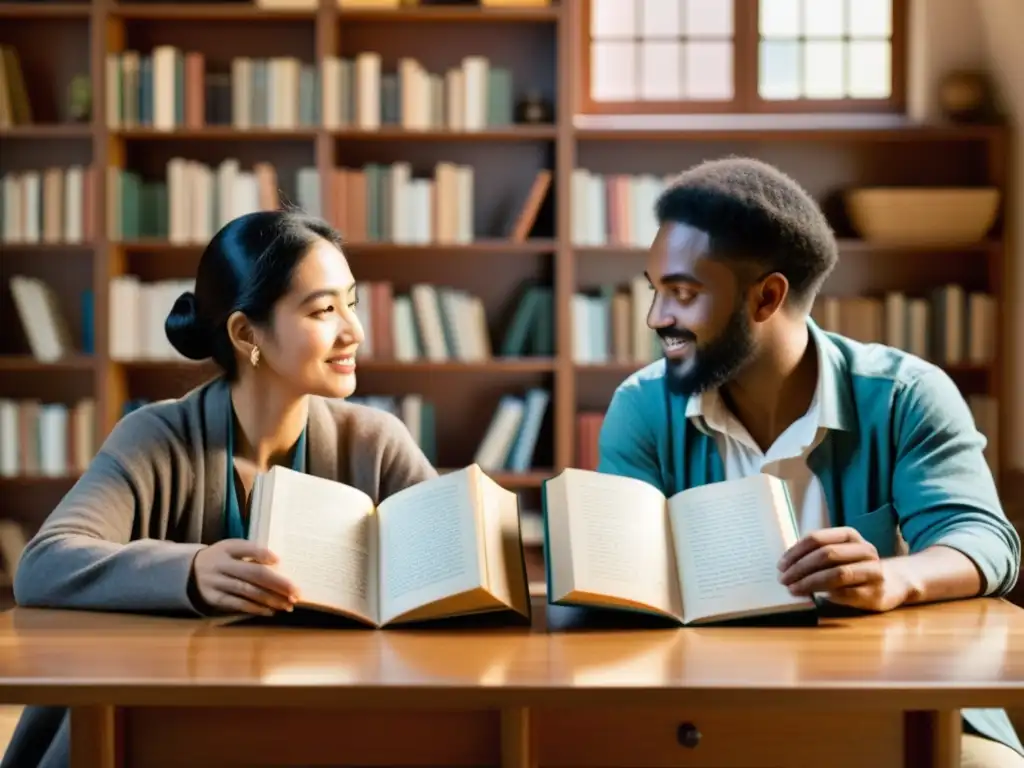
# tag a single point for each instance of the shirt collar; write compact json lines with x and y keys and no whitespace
{"x":708,"y":411}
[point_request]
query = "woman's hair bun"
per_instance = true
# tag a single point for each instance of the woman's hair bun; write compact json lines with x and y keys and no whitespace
{"x":186,"y":332}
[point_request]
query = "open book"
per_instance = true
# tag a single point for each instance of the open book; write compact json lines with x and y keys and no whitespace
{"x":707,"y":554}
{"x":446,"y":547}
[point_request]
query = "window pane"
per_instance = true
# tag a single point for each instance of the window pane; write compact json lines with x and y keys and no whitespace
{"x":824,"y":18}
{"x":613,"y":71}
{"x":779,"y":76}
{"x":870,"y":18}
{"x":660,"y":18}
{"x":708,"y":68}
{"x":612,"y":18}
{"x":779,"y":18}
{"x":870,"y":70}
{"x":707,"y":18}
{"x":823,"y":70}
{"x":660,"y":71}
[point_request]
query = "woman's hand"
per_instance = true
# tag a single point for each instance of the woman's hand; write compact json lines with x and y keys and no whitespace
{"x":234,"y":575}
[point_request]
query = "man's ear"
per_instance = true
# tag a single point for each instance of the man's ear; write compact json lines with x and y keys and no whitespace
{"x":768,"y":295}
{"x":242,"y":334}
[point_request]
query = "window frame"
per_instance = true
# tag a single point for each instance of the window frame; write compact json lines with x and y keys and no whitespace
{"x":745,"y":62}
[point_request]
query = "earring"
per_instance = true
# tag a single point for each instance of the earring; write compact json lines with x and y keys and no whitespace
{"x":254,"y":356}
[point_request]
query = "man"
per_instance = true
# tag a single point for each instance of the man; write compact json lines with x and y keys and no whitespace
{"x":877,"y":446}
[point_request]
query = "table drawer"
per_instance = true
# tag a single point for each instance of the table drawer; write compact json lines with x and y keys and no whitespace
{"x":659,"y":738}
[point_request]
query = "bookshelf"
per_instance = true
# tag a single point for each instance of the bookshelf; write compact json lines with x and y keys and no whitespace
{"x":566,"y":252}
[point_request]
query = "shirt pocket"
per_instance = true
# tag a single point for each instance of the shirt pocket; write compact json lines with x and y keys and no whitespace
{"x":881,"y":527}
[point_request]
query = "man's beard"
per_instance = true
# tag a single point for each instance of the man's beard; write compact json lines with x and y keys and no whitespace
{"x":713,"y":363}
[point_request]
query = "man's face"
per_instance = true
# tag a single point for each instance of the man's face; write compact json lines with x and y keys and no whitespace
{"x":699,"y":311}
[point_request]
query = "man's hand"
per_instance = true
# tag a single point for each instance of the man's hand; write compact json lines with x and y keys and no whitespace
{"x":234,"y":575}
{"x":842,"y":564}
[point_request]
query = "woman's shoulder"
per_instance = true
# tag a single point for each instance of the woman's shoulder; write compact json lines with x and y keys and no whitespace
{"x":155,"y":427}
{"x":365,"y":422}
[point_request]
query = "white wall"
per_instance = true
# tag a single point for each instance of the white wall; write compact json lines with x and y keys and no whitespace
{"x":947,"y":34}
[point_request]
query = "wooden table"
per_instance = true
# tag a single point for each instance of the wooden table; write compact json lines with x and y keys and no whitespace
{"x":149,"y":692}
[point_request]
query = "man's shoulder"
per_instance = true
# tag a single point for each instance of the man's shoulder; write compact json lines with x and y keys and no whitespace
{"x":643,"y":385}
{"x":872,"y":367}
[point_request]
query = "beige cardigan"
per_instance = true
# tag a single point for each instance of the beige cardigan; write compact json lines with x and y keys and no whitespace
{"x":125,"y":535}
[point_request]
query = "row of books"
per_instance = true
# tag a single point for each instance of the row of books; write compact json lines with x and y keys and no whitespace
{"x":614,"y":209}
{"x":56,"y":440}
{"x":53,"y":205}
{"x":15,"y":106}
{"x":441,"y":323}
{"x":46,"y":439}
{"x":952,"y":326}
{"x":375,"y":203}
{"x":138,"y":311}
{"x":379,"y":202}
{"x":168,"y":88}
{"x":610,"y":325}
{"x":196,"y":200}
{"x":509,"y":443}
{"x":432,"y":322}
{"x":359,"y":93}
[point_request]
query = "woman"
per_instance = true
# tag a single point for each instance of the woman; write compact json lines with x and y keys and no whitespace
{"x":158,"y":521}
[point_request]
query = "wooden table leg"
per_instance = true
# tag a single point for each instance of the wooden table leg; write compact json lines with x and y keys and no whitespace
{"x":93,"y":737}
{"x":517,"y":749}
{"x":933,"y":739}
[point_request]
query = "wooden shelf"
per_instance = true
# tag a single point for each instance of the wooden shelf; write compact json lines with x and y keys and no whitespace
{"x":45,"y":10}
{"x":512,"y":133}
{"x":499,"y":247}
{"x":35,"y":481}
{"x":27,"y":363}
{"x":496,"y":365}
{"x":832,"y":128}
{"x":627,"y":368}
{"x":47,"y":248}
{"x":846,"y":246}
{"x":208,"y":12}
{"x":450,"y":14}
{"x":216,"y":133}
{"x":47,"y":131}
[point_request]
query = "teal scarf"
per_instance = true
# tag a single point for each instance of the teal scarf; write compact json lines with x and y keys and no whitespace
{"x":234,"y":525}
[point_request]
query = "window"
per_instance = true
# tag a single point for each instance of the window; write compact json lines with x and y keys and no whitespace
{"x":677,"y":56}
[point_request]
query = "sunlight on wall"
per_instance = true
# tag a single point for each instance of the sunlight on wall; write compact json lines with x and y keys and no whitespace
{"x":980,"y":34}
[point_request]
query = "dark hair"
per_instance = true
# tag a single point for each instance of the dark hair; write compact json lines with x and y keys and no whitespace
{"x":246,"y":267}
{"x":751,"y":210}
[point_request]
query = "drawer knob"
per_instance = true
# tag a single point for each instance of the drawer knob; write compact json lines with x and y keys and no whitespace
{"x":688,"y":735}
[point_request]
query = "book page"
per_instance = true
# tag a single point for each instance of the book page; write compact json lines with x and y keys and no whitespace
{"x":323,"y":532}
{"x":429,"y":545}
{"x":618,"y":541}
{"x":506,"y":571}
{"x":729,"y":537}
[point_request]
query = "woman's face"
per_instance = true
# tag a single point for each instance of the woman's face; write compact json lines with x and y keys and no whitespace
{"x":312,"y":341}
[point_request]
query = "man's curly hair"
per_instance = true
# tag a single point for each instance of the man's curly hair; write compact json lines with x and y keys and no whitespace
{"x":754,"y":212}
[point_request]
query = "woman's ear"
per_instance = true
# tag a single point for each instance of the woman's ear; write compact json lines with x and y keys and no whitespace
{"x":242,"y":334}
